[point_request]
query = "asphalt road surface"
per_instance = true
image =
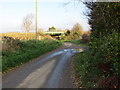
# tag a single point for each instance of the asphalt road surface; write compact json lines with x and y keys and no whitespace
{"x":52,"y":70}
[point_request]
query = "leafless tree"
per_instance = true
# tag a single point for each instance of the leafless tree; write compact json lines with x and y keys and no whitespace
{"x":27,"y":23}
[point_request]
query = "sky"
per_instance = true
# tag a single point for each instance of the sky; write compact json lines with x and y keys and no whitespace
{"x":50,"y":13}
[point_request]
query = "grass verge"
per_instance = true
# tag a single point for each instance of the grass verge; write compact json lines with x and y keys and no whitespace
{"x":77,"y":42}
{"x":27,"y":50}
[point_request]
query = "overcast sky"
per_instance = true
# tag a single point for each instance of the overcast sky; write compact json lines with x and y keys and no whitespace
{"x":50,"y":13}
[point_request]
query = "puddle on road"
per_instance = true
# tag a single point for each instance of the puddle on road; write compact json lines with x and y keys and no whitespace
{"x":79,"y":50}
{"x":67,"y":50}
{"x":75,"y":50}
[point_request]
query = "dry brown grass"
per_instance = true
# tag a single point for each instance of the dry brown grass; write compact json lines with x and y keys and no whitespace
{"x":25,"y":36}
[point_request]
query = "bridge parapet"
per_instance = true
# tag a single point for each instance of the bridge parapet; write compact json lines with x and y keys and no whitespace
{"x":56,"y":35}
{"x":51,"y":33}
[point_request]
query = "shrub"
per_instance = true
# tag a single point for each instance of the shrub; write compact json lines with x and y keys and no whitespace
{"x":85,"y":38}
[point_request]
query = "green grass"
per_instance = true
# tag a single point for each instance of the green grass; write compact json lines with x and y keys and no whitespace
{"x":27,"y":51}
{"x":85,"y":72}
{"x":77,"y":42}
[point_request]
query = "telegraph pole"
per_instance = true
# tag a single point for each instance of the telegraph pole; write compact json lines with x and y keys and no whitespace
{"x":36,"y":17}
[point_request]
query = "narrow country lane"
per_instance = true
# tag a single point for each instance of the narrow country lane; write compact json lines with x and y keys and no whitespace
{"x":52,"y":70}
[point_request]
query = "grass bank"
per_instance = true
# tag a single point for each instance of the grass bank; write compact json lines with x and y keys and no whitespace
{"x":25,"y":51}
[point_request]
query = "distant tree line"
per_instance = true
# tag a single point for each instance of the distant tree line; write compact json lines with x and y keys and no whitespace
{"x":74,"y":33}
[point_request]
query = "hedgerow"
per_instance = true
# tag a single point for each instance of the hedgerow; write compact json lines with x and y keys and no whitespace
{"x":99,"y":67}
